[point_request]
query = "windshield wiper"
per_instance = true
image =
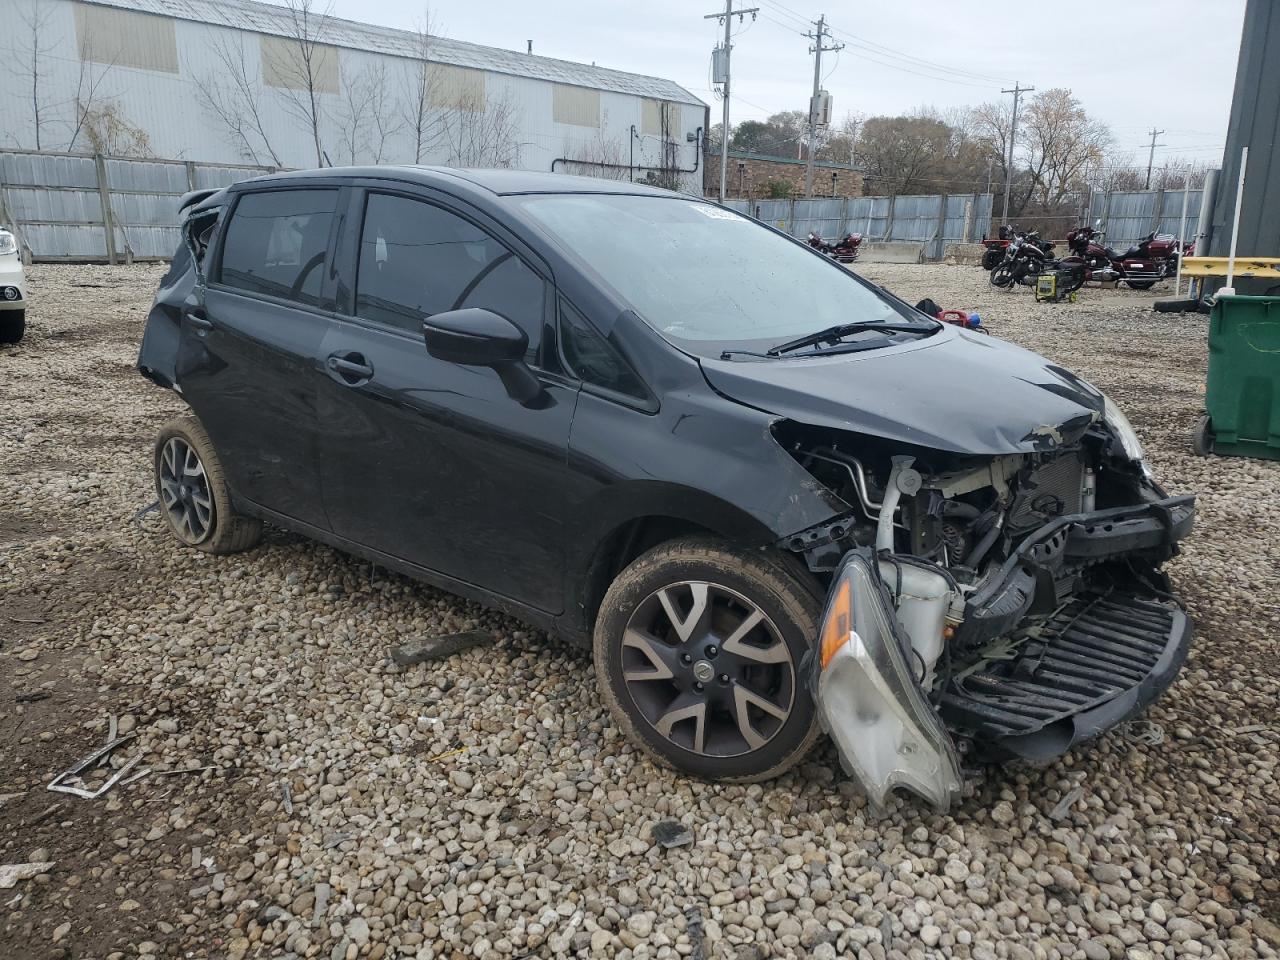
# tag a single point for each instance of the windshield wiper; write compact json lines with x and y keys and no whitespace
{"x":832,"y":334}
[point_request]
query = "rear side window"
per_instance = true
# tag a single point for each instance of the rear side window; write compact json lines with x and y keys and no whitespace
{"x":417,"y":259}
{"x":276,"y":243}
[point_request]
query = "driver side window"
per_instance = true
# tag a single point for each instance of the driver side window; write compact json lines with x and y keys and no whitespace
{"x":276,"y":243}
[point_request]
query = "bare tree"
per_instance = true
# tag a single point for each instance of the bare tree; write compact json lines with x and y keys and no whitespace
{"x":302,"y":67}
{"x":600,"y":157}
{"x":29,"y":62}
{"x":232,"y":96}
{"x":1061,"y":140}
{"x":481,"y":131}
{"x":353,"y":116}
{"x":110,"y":132}
{"x":89,"y":99}
{"x":384,"y":119}
{"x":420,"y":118}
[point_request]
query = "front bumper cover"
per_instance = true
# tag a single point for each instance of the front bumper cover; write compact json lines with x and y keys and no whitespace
{"x":1086,"y":660}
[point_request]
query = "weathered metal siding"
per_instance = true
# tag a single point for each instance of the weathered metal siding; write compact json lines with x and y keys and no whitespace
{"x":167,"y":106}
{"x":1128,"y":217}
{"x":55,"y":202}
{"x":1255,"y":123}
{"x":922,"y":219}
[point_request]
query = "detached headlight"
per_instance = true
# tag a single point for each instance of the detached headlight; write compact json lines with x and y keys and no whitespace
{"x":8,"y":242}
{"x":1127,"y":437}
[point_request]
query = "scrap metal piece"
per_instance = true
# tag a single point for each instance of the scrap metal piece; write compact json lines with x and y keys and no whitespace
{"x":11,"y":873}
{"x":670,"y":833}
{"x":58,"y":784}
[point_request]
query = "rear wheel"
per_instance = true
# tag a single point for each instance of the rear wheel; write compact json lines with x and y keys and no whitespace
{"x":193,"y":493}
{"x":13,"y":323}
{"x":1141,"y":284}
{"x":698,"y":647}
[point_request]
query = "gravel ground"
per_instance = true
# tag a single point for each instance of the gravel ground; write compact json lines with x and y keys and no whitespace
{"x":485,"y":806}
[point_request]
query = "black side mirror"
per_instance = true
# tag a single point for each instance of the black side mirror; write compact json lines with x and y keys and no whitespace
{"x":481,"y":338}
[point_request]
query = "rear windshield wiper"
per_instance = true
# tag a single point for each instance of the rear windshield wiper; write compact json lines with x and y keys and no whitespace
{"x":833,"y":334}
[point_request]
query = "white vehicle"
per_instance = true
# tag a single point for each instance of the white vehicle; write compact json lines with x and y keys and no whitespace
{"x":13,"y":290}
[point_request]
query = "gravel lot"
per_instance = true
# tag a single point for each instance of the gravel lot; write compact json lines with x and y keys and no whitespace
{"x":485,"y":807}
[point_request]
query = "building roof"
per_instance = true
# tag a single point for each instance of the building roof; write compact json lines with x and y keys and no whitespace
{"x":275,"y":20}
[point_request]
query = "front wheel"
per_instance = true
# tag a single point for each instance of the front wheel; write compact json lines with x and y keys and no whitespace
{"x":1003,"y":276}
{"x":698,"y":646}
{"x":13,"y":324}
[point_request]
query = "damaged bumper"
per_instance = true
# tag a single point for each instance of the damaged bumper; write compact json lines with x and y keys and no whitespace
{"x":1058,"y":659}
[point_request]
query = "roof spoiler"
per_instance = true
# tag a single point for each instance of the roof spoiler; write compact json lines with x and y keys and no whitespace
{"x":192,"y":197}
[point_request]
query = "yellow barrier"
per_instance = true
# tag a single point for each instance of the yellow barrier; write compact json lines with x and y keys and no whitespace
{"x":1266,"y":267}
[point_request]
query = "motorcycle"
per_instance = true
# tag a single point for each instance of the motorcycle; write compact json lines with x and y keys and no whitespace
{"x":996,"y":247}
{"x":1141,"y":267}
{"x":1025,"y":258}
{"x":845,"y":249}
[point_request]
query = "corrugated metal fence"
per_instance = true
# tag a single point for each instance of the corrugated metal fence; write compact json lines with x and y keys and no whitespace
{"x":934,"y":220}
{"x":1128,"y":217}
{"x":113,"y":209}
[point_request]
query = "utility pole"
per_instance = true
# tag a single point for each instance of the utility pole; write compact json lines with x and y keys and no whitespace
{"x":727,"y":19}
{"x":1151,"y":157}
{"x":817,"y":50}
{"x":1017,"y":91}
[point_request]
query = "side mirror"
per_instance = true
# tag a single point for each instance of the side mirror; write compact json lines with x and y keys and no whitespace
{"x":1097,"y":223}
{"x":482,"y":338}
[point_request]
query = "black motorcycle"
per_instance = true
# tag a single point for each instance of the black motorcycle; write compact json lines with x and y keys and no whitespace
{"x":1024,"y":260}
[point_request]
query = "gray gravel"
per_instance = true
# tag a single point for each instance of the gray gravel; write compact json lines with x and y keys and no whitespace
{"x":485,"y":807}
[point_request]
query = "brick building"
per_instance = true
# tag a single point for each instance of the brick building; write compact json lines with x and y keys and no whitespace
{"x":758,"y":177}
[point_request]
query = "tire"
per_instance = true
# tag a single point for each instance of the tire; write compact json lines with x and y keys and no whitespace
{"x":195,"y":500}
{"x":1202,"y":439}
{"x":991,"y":259}
{"x":13,"y":323}
{"x":1141,"y":284}
{"x":636,"y":633}
{"x":1002,"y":276}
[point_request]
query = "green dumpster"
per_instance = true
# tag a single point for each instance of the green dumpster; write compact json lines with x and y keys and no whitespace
{"x":1242,"y":396}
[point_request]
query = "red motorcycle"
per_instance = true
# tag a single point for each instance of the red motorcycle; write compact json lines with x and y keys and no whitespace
{"x":1141,"y":266}
{"x":845,"y":250}
{"x":996,"y":247}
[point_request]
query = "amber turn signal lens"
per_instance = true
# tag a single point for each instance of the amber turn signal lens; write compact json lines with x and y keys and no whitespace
{"x":835,"y":628}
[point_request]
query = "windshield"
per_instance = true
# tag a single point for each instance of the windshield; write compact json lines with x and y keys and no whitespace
{"x":707,"y":277}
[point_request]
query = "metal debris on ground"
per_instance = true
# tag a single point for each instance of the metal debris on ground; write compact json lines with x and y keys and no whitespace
{"x":11,"y":873}
{"x":286,"y":793}
{"x":33,"y":697}
{"x":438,"y":648}
{"x":670,"y":833}
{"x":59,"y":783}
{"x":1146,"y":732}
{"x":695,"y":931}
{"x":151,"y":507}
{"x":1063,"y":806}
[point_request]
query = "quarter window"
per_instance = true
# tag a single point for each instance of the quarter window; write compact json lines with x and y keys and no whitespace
{"x":417,"y":259}
{"x":276,"y":243}
{"x":591,"y":358}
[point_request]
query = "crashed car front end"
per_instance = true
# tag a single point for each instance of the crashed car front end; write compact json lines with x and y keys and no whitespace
{"x":988,"y":607}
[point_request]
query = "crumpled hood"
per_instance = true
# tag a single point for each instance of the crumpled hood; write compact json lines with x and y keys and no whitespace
{"x":955,"y":391}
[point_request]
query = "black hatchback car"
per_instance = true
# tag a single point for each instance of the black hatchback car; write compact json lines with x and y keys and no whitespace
{"x":773,"y":498}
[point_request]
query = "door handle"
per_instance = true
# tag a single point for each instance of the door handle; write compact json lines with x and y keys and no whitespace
{"x":197,"y":318}
{"x":350,"y":368}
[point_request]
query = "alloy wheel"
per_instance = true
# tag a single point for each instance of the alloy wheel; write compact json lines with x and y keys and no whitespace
{"x":184,"y":491}
{"x":708,"y":669}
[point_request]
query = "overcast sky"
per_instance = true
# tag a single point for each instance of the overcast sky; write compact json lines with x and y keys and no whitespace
{"x":1136,"y":64}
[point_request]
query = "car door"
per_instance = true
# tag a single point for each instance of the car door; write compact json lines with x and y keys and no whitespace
{"x":429,"y":461}
{"x":248,"y":347}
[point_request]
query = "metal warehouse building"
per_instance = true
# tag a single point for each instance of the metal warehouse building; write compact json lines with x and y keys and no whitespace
{"x":233,"y":81}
